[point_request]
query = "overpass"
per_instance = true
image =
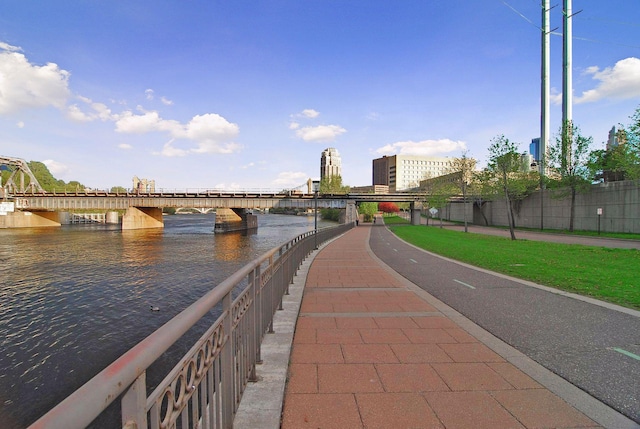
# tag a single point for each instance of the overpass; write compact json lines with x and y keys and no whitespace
{"x":144,"y":210}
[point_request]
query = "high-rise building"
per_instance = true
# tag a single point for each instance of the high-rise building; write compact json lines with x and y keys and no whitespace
{"x":330,"y":163}
{"x":534,"y":148}
{"x":613,"y":141}
{"x":402,"y":172}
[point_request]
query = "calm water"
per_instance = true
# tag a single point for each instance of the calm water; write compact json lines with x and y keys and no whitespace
{"x":73,"y":299}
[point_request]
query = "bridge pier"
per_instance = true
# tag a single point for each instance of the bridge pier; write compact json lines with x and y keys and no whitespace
{"x":350,"y":213}
{"x":30,"y":219}
{"x":228,"y":220}
{"x":142,"y":218}
{"x":416,"y":211}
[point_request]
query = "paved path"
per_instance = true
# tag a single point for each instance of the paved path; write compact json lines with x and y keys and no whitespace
{"x":372,"y":350}
{"x":592,"y":344}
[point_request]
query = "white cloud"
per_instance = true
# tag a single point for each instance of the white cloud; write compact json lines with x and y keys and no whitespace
{"x":230,"y":187}
{"x":294,"y":126}
{"x":169,"y":151}
{"x":148,"y":93}
{"x":210,"y":132}
{"x":290,"y":179}
{"x":20,"y":124}
{"x":422,"y":148}
{"x":555,"y":97}
{"x":310,"y":113}
{"x":247,"y":166}
{"x":166,"y":101}
{"x":125,"y":146}
{"x":25,"y":85}
{"x":56,"y":168}
{"x":620,"y":81}
{"x":320,"y":133}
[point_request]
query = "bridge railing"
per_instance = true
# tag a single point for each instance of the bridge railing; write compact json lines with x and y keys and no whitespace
{"x":204,"y":389}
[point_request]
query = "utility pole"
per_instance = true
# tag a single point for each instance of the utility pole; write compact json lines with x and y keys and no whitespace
{"x":567,"y":54}
{"x":544,"y":102}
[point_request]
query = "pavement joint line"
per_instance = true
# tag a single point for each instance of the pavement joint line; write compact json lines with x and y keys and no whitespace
{"x":464,"y":284}
{"x":593,"y":408}
{"x":626,"y":353}
{"x":413,"y":260}
{"x":379,"y":315}
{"x":354,"y":289}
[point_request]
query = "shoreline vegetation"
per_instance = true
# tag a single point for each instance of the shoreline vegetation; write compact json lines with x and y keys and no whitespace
{"x":598,"y":272}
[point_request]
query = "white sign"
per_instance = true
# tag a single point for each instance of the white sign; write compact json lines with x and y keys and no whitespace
{"x":433,"y":211}
{"x":7,"y":207}
{"x":599,"y":211}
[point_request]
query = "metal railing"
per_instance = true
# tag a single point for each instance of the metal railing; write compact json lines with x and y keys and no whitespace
{"x":204,"y":389}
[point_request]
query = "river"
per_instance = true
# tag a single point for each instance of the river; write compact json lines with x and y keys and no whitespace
{"x":74,"y":298}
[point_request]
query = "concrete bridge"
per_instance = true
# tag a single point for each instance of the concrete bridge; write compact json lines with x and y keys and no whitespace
{"x":144,"y":210}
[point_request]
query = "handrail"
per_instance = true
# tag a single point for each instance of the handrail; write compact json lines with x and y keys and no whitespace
{"x":127,"y":373}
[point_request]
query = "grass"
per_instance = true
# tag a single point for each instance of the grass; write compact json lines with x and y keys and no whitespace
{"x":599,"y":272}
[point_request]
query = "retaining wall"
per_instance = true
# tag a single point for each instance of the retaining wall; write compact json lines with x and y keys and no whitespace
{"x":619,"y":201}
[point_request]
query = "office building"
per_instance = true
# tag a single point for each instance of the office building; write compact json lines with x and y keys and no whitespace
{"x":403,"y":172}
{"x":330,"y":163}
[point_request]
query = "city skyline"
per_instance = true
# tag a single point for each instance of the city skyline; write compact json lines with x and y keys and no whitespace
{"x":245,"y":96}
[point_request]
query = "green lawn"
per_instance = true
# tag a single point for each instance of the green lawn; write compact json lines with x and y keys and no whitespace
{"x":607,"y":274}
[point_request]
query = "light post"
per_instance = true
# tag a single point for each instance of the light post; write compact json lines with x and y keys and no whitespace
{"x":316,"y":189}
{"x":464,"y":203}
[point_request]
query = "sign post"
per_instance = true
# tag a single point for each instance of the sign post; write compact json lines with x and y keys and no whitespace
{"x":599,"y":214}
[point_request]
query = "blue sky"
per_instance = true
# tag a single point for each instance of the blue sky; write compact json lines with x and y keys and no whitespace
{"x":246,"y":94}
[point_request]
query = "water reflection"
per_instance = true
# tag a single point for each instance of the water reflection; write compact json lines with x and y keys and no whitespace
{"x":73,"y":299}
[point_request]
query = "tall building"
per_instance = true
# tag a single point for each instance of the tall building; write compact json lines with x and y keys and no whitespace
{"x":534,"y":148}
{"x":402,"y":172}
{"x":330,"y":163}
{"x":613,"y":140}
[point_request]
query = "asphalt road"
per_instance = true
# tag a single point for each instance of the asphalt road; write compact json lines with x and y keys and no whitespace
{"x":595,"y":347}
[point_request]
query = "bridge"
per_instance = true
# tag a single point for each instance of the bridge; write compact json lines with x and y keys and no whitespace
{"x":144,"y":210}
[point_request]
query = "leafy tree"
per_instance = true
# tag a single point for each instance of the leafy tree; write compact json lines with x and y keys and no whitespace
{"x":387,"y":207}
{"x":504,"y":164}
{"x":330,"y":214}
{"x":483,"y":188}
{"x":569,"y":158}
{"x":333,"y":185}
{"x":118,"y":189}
{"x":623,"y":161}
{"x":462,"y":170}
{"x":368,"y":210}
{"x":50,"y":183}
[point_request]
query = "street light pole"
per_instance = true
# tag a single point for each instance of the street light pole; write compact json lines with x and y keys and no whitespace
{"x":316,"y":188}
{"x":464,"y":203}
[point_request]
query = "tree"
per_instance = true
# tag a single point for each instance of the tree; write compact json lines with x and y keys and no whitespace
{"x":621,"y":162}
{"x":368,"y":210}
{"x":118,"y":189}
{"x":569,"y":158}
{"x":504,"y":164}
{"x":387,"y":207}
{"x":462,"y":170}
{"x":333,"y":185}
{"x":50,"y":183}
{"x":482,"y":189}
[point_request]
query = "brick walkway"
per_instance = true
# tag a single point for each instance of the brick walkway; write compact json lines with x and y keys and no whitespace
{"x":370,"y":353}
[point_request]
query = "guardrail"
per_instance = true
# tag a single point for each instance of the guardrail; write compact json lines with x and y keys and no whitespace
{"x":204,"y":389}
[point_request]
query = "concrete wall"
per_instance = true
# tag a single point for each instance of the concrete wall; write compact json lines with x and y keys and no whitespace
{"x":349,"y":214}
{"x":142,"y":218}
{"x":29,"y":219}
{"x":619,"y":201}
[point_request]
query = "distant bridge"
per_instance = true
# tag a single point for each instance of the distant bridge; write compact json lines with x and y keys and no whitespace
{"x":144,"y":210}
